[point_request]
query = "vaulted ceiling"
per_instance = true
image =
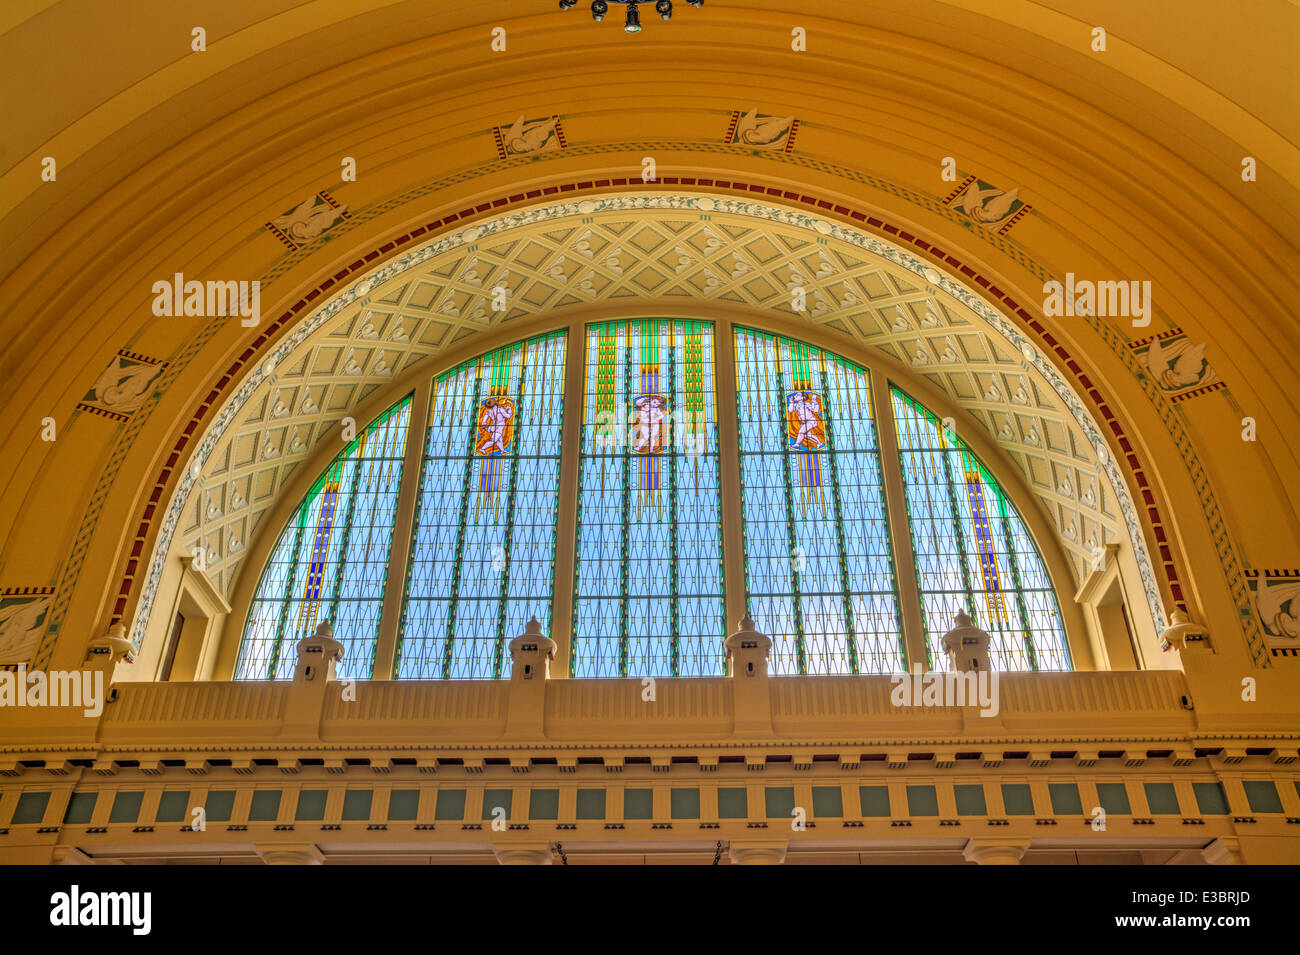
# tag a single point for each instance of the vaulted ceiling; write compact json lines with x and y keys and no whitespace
{"x":225,"y":163}
{"x":683,"y":252}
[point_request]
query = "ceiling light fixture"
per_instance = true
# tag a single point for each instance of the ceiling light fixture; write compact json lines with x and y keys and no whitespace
{"x":632,"y":24}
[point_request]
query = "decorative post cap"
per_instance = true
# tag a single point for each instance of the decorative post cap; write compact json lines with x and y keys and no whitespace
{"x":532,"y":639}
{"x":114,"y":642}
{"x":747,"y":637}
{"x":1174,"y":637}
{"x":531,"y":642}
{"x":319,"y":648}
{"x":967,"y":645}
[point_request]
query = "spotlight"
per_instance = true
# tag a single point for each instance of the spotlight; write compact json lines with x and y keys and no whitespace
{"x":598,"y":9}
{"x":633,"y":24}
{"x":665,"y":9}
{"x":568,"y":4}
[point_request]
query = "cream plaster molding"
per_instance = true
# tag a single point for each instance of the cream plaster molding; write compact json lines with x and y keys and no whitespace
{"x":567,"y":212}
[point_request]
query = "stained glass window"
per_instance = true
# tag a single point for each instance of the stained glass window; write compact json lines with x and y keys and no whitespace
{"x":818,"y":566}
{"x":648,"y":588}
{"x":483,"y":546}
{"x":972,"y":549}
{"x":331,"y":562}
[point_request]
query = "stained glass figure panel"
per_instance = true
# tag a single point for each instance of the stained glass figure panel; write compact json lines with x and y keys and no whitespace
{"x":331,"y":562}
{"x":972,"y":549}
{"x":483,"y":543}
{"x":818,"y":565}
{"x":648,"y":587}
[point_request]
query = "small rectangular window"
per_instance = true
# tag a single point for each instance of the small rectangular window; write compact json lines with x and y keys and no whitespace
{"x":1161,"y":799}
{"x":1065,"y":799}
{"x":311,"y":805}
{"x":80,"y":808}
{"x":874,"y":800}
{"x":1211,"y":800}
{"x":1262,"y":796}
{"x":1113,"y":798}
{"x":1017,"y":799}
{"x":174,"y":806}
{"x":733,"y":803}
{"x":685,"y":803}
{"x":218,"y":805}
{"x":591,"y":804}
{"x":356,"y":805}
{"x":450,"y":805}
{"x":638,"y":803}
{"x":495,"y":800}
{"x":544,"y":804}
{"x":265,"y":807}
{"x":126,"y":807}
{"x":922,"y":801}
{"x":403,"y":804}
{"x":828,"y":802}
{"x":970,"y":800}
{"x":780,"y":802}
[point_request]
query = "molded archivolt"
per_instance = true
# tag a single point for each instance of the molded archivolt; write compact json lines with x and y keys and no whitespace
{"x":672,"y":250}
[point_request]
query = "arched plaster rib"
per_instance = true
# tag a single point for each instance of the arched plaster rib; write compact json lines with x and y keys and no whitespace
{"x":705,"y":204}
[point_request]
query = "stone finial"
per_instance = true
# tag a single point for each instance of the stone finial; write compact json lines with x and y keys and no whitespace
{"x":967,"y":645}
{"x":1174,"y":637}
{"x":114,"y":643}
{"x":318,"y":653}
{"x":748,"y":648}
{"x":531,"y":652}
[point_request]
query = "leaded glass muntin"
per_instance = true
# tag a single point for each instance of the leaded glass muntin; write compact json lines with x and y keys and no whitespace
{"x":649,"y":590}
{"x":483,"y":539}
{"x":677,"y":444}
{"x":972,"y":549}
{"x":818,"y":557}
{"x":331,"y":562}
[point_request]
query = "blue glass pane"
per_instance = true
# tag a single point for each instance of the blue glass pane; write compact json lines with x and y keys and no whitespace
{"x":331,"y":562}
{"x":648,"y":595}
{"x":818,"y":565}
{"x":483,"y":545}
{"x":972,"y":550}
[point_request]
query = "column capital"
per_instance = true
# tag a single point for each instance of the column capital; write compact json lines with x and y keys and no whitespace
{"x":1223,"y":851}
{"x":994,"y":851}
{"x":758,"y":852}
{"x":291,"y":854}
{"x":531,"y":853}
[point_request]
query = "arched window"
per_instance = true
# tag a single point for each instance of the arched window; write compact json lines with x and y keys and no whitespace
{"x":648,"y":592}
{"x":331,"y":562}
{"x":972,"y":549}
{"x":818,"y":566}
{"x":641,"y":525}
{"x":483,"y":545}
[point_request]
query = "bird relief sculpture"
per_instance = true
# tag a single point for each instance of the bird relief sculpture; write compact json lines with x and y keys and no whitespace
{"x":986,"y":203}
{"x":310,"y":218}
{"x":1279,"y":607}
{"x":529,"y":136}
{"x":766,"y":132}
{"x":1179,"y":364}
{"x":122,"y":386}
{"x":21,"y":620}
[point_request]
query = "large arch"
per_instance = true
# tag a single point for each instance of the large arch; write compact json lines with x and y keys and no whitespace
{"x":912,"y":352}
{"x":199,"y":210}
